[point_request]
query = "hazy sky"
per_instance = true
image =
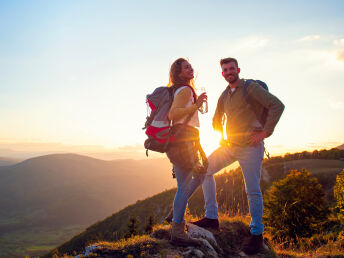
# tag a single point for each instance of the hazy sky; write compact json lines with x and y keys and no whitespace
{"x":77,"y":72}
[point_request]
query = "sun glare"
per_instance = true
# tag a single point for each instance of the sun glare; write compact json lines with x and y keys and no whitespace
{"x":210,"y":140}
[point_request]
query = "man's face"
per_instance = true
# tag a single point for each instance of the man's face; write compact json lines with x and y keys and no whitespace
{"x":230,"y":72}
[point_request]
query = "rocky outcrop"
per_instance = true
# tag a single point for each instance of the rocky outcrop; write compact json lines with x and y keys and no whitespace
{"x":227,"y":242}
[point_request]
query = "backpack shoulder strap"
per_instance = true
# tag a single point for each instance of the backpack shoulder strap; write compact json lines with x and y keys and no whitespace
{"x":221,"y":103}
{"x":248,"y":100}
{"x":245,"y":91}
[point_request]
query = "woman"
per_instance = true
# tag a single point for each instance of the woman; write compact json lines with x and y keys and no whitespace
{"x":185,"y":153}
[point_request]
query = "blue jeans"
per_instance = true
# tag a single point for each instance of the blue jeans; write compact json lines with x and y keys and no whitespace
{"x":187,"y":183}
{"x":250,"y":160}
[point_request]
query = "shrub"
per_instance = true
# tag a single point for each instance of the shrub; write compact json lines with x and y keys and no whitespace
{"x":339,"y":195}
{"x":295,"y":206}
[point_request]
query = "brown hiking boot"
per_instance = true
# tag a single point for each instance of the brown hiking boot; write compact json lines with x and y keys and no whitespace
{"x":254,"y":244}
{"x":207,"y":223}
{"x":169,"y":217}
{"x":179,"y":236}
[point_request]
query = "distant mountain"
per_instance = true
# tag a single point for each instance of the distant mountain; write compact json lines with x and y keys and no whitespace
{"x":8,"y":161}
{"x":341,"y":147}
{"x":67,"y":190}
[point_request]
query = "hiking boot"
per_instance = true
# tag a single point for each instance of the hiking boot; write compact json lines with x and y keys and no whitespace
{"x":254,"y":244}
{"x":207,"y":223}
{"x":169,"y":217}
{"x":179,"y":236}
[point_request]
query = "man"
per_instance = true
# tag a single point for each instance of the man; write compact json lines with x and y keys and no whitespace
{"x":245,"y":134}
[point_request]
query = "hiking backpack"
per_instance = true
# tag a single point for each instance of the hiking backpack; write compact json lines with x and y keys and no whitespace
{"x":157,"y":123}
{"x":261,"y":118}
{"x":158,"y":126}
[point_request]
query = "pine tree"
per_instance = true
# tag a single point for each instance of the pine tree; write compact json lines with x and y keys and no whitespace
{"x":149,"y":226}
{"x":132,"y":227}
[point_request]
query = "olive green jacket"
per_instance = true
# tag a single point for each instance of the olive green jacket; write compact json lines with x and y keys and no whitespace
{"x":241,"y":119}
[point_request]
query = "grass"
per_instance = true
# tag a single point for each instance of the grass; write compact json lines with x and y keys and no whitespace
{"x":317,"y":166}
{"x":35,"y":241}
{"x":140,"y":246}
{"x":233,"y":233}
{"x":324,"y":244}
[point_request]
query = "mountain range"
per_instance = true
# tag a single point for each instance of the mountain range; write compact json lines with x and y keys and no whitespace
{"x":48,"y":199}
{"x":60,"y":191}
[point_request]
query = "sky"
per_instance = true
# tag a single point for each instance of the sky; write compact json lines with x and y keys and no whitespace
{"x":74,"y":74}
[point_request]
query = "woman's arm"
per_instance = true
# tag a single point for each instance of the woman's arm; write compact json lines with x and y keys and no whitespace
{"x":178,"y":109}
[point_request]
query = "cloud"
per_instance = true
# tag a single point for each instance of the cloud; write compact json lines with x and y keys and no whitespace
{"x":339,"y":42}
{"x":310,"y":38}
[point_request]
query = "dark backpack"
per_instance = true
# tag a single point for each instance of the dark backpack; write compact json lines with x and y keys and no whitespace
{"x":158,"y":126}
{"x":261,"y":118}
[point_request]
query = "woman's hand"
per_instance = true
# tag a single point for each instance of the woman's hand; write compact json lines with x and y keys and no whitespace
{"x":201,"y":98}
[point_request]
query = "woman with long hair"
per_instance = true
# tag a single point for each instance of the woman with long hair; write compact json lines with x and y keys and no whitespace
{"x":185,"y":153}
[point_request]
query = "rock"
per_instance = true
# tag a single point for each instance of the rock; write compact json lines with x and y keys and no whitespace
{"x":206,"y":237}
{"x":193,"y":252}
{"x":210,"y":250}
{"x":198,"y":232}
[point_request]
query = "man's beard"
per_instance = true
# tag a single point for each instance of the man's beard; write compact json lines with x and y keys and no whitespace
{"x":236,"y":77}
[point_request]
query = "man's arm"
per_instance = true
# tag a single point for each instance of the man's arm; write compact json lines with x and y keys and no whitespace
{"x":269,"y":101}
{"x":218,"y":116}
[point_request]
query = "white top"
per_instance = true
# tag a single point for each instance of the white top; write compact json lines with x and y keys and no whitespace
{"x":194,"y":121}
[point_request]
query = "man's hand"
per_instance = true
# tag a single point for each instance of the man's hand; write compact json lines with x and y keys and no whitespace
{"x":257,"y":137}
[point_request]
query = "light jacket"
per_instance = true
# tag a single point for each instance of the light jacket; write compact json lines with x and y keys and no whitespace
{"x":241,"y":119}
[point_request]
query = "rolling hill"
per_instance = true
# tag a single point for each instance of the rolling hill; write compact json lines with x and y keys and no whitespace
{"x":66,"y":192}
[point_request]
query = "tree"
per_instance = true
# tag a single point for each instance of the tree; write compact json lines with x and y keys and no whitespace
{"x":149,"y":226}
{"x":295,"y":206}
{"x":339,"y":195}
{"x":132,"y":227}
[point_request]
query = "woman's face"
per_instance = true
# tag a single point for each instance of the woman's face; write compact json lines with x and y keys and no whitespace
{"x":187,"y":73}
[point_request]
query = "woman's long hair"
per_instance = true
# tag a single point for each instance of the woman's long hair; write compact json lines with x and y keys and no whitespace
{"x":175,"y":70}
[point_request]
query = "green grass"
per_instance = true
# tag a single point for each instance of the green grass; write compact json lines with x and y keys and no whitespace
{"x":35,"y":241}
{"x":317,"y":166}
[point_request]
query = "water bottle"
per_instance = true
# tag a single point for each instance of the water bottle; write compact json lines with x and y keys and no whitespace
{"x":204,"y":108}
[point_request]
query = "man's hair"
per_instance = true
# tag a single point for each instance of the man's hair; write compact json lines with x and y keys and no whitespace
{"x":229,"y":60}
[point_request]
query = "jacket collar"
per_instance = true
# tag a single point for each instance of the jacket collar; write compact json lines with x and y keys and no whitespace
{"x":239,"y":85}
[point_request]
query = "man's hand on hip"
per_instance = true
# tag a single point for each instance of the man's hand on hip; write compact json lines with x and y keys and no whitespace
{"x":257,"y":137}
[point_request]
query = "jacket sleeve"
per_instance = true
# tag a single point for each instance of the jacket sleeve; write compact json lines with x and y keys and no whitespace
{"x":269,"y":101}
